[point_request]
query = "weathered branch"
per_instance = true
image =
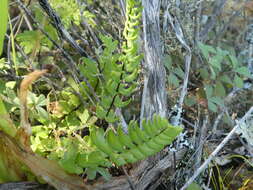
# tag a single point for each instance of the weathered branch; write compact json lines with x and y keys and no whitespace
{"x":218,"y":148}
{"x":154,"y":99}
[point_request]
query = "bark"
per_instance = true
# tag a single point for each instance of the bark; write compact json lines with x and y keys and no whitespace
{"x":143,"y":176}
{"x":154,"y":100}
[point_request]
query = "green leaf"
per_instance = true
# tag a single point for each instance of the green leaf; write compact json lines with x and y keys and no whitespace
{"x":167,"y":62}
{"x":179,"y":72}
{"x":101,"y":113}
{"x":84,"y":116}
{"x":10,"y":84}
{"x":243,"y":71}
{"x":43,"y":115}
{"x":30,"y":40}
{"x":66,"y":107}
{"x":194,"y":186}
{"x":119,"y":103}
{"x":172,"y":79}
{"x":221,"y":52}
{"x":125,"y":139}
{"x":234,"y":61}
{"x":226,"y":79}
{"x":111,"y":117}
{"x":97,"y":138}
{"x":127,"y":91}
{"x":131,"y":77}
{"x":106,"y":100}
{"x":111,"y":87}
{"x":3,"y":21}
{"x":209,"y":90}
{"x":219,"y":89}
{"x":238,"y":81}
{"x":217,"y":100}
{"x":68,"y":162}
{"x":91,"y":173}
{"x":212,"y":106}
{"x":104,"y":173}
{"x":216,"y":60}
{"x":213,"y":73}
{"x":133,"y":133}
{"x":72,"y":120}
{"x":6,"y":123}
{"x":204,"y":73}
{"x":41,"y":100}
{"x":206,"y":49}
{"x":111,"y":138}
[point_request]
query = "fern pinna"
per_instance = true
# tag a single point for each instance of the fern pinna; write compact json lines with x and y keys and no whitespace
{"x":138,"y":144}
{"x":114,"y":75}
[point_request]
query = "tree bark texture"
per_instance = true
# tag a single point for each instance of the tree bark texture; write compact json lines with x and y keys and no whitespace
{"x":154,"y":99}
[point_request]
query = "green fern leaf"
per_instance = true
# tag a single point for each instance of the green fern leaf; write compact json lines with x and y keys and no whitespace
{"x":124,"y":148}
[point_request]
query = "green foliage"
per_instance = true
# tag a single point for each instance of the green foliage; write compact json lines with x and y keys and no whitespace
{"x":68,"y":10}
{"x":194,"y":186}
{"x":33,"y":41}
{"x":176,"y":74}
{"x":222,"y":72}
{"x":3,"y":21}
{"x":57,"y":137}
{"x":102,"y":149}
{"x":217,"y":77}
{"x":114,"y":76}
{"x":62,"y":128}
{"x":138,"y":144}
{"x":5,"y":124}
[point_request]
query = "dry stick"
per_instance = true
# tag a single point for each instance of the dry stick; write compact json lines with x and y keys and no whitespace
{"x":128,"y":179}
{"x":202,"y":140}
{"x":219,"y":147}
{"x":180,"y":36}
{"x":228,"y":100}
{"x":250,"y":47}
{"x":57,"y":23}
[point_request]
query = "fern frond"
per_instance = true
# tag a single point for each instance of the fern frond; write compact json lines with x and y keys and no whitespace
{"x":138,"y":144}
{"x":118,"y":71}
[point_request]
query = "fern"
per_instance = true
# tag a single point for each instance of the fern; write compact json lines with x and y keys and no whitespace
{"x":110,"y":148}
{"x":124,"y":148}
{"x":115,"y":74}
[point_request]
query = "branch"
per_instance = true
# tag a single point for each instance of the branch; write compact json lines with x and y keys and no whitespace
{"x":180,"y":36}
{"x":215,"y":152}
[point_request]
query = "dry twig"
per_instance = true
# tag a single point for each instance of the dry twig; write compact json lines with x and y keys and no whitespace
{"x":218,"y":148}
